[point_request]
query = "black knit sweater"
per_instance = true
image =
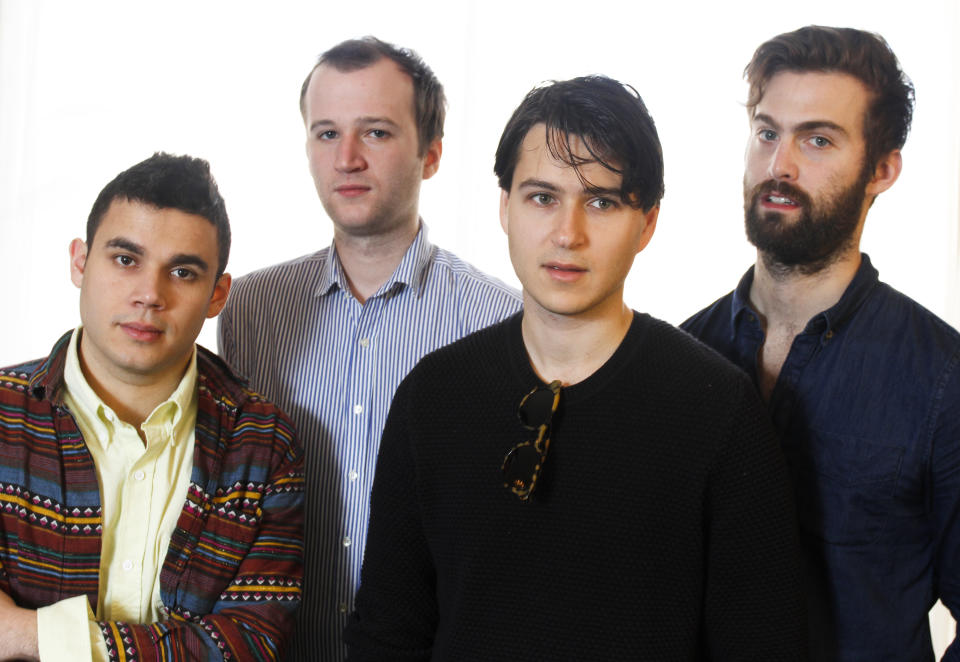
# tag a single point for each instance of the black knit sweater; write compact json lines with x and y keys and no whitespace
{"x":661,"y":528}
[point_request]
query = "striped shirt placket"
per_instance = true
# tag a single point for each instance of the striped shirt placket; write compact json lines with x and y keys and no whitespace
{"x":300,"y":336}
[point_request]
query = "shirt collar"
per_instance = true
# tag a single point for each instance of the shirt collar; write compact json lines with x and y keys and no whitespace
{"x":863,"y":281}
{"x":171,"y":413}
{"x":411,"y":272}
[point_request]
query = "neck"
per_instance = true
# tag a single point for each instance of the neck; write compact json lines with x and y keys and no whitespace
{"x":790,"y":298}
{"x":368,"y":261}
{"x":132,"y":399}
{"x":571,"y":348}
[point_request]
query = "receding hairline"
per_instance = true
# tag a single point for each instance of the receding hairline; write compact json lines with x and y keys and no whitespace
{"x":349,"y":69}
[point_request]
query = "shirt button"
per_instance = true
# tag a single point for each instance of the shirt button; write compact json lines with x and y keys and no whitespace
{"x":347,"y":542}
{"x":353,"y":475}
{"x":358,"y":409}
{"x":364,"y":342}
{"x":343,"y":607}
{"x":139,"y":475}
{"x":128,"y":565}
{"x":829,"y":334}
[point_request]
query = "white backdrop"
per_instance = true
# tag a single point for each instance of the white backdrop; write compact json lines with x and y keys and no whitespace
{"x":87,"y":89}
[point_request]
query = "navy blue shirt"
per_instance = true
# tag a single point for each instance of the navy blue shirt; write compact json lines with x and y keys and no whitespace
{"x":867,"y":405}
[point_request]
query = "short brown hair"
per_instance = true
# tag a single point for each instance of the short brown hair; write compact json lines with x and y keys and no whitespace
{"x":865,"y":56}
{"x":429,"y":101}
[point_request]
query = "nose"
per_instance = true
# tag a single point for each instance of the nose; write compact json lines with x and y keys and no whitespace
{"x":350,"y":154}
{"x":569,"y":230}
{"x":150,"y":291}
{"x":783,"y":163}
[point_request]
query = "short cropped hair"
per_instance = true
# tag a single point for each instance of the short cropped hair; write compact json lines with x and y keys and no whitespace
{"x":611,"y":120}
{"x":865,"y":56}
{"x":166,"y":181}
{"x":429,"y":101}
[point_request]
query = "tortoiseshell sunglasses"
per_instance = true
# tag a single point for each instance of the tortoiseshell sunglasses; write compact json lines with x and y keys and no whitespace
{"x":522,"y":464}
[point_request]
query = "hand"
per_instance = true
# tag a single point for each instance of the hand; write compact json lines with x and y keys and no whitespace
{"x":18,"y":631}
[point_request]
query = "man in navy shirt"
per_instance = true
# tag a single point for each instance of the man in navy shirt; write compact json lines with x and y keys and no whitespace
{"x":861,"y":382}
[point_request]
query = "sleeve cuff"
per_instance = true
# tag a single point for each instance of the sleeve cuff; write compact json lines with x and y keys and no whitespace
{"x":66,"y":631}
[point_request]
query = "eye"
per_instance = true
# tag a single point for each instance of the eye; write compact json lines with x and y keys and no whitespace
{"x":820,"y":141}
{"x":124,"y":260}
{"x":541,"y":199}
{"x":329,"y":134}
{"x":603,"y":204}
{"x":767,"y":135}
{"x":379,"y":133}
{"x":182,"y":273}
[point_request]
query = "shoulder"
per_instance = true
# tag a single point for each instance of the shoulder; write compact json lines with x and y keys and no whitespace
{"x":469,"y":279}
{"x":905,"y":314}
{"x":222,"y":389}
{"x":471,"y":358}
{"x":678,"y":353}
{"x":297,"y":273}
{"x":18,"y":376}
{"x":720,"y":309}
{"x":15,"y":386}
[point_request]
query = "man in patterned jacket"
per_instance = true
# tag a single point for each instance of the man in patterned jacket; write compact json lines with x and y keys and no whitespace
{"x":150,"y":504}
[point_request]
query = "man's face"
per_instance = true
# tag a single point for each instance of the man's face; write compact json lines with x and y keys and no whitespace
{"x":362,"y":145}
{"x":146,"y":285}
{"x":571,"y":247}
{"x":805,"y":183}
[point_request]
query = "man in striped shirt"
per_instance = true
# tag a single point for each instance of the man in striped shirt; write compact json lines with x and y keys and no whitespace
{"x":330,"y":335}
{"x":151,"y":506}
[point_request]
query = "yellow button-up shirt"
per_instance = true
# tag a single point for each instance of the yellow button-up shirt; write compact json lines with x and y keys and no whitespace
{"x":143,"y":486}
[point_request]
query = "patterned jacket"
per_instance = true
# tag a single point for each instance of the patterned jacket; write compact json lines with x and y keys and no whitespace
{"x":231,"y":580}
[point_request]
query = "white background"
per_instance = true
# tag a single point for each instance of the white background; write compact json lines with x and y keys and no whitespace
{"x":89,"y":88}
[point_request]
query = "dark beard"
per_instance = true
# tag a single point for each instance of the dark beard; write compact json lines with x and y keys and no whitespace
{"x":818,"y":237}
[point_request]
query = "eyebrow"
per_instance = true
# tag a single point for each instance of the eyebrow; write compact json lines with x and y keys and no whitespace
{"x":125,"y":244}
{"x":803,"y":127}
{"x":538,"y":183}
{"x":365,"y":120}
{"x":180,"y":259}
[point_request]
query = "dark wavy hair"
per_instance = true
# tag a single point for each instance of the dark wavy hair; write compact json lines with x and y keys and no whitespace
{"x":166,"y":181}
{"x":865,"y":56}
{"x":429,"y":102}
{"x":611,"y":120}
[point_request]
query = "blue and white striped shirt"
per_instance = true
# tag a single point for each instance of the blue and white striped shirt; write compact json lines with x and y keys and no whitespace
{"x":333,"y":364}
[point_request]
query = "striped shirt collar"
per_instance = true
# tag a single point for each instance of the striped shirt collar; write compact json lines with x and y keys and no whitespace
{"x":411,"y":272}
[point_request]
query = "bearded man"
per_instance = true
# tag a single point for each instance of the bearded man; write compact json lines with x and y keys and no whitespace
{"x":861,"y":382}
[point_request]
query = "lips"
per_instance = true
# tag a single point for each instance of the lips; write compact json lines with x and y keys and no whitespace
{"x":141,"y":331}
{"x":779,"y":200}
{"x":563,"y":271}
{"x":779,"y":196}
{"x":351,"y":190}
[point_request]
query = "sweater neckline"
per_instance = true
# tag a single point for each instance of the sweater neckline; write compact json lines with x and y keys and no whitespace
{"x":621,"y":357}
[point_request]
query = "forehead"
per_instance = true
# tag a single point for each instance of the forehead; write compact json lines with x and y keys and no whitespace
{"x":382,"y":89}
{"x":795,"y":97}
{"x":535,"y":161}
{"x":157,"y":229}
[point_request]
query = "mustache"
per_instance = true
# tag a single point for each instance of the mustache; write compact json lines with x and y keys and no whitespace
{"x":785,"y":189}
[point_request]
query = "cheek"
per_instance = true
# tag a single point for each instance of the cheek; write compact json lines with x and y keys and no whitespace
{"x":316,"y":159}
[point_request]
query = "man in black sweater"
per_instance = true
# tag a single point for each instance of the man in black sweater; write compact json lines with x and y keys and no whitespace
{"x":581,"y":481}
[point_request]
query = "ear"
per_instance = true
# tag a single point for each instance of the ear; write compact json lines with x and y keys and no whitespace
{"x":650,"y":224}
{"x":504,"y":199}
{"x":219,"y":297}
{"x":886,"y":173}
{"x":78,"y":261}
{"x":431,"y":160}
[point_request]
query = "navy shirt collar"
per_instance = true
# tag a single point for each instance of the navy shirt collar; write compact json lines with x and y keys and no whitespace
{"x":834,"y":317}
